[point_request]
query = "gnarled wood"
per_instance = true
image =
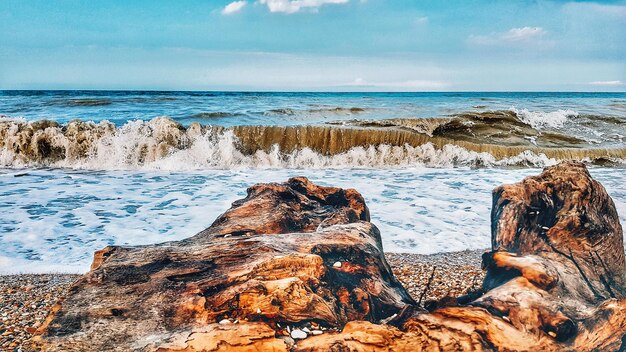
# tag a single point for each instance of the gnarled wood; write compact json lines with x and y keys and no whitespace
{"x":297,"y":253}
{"x":288,"y":253}
{"x":554,"y":282}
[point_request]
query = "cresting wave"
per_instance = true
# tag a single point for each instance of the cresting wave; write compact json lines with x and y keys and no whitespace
{"x":162,"y":143}
{"x":336,"y":111}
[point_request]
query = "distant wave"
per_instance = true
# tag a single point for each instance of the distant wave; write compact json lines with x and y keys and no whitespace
{"x":513,"y":128}
{"x":618,"y":105}
{"x":82,"y":102}
{"x":336,"y":110}
{"x":213,"y":115}
{"x":87,"y":102}
{"x":162,"y":143}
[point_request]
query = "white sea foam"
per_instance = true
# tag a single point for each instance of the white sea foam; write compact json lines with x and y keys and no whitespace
{"x":163,"y":144}
{"x":160,"y":144}
{"x":222,"y":153}
{"x":53,"y":220}
{"x":541,"y":119}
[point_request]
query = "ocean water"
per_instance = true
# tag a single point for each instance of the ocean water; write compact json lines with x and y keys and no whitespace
{"x":268,"y":108}
{"x":70,"y":188}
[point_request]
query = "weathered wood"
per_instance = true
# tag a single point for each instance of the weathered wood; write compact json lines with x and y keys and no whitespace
{"x":288,"y":253}
{"x":554,"y":282}
{"x":296,"y":253}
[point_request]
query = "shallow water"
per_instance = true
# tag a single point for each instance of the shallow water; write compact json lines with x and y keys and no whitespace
{"x":53,"y":219}
{"x":70,"y":188}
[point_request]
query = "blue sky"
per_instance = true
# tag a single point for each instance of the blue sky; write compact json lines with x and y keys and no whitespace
{"x":316,"y":45}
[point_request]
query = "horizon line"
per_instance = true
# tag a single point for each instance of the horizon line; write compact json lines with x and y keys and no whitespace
{"x":302,"y":91}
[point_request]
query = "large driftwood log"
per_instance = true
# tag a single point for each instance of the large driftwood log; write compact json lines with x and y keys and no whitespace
{"x":288,"y":253}
{"x":297,"y":254}
{"x":555,"y":277}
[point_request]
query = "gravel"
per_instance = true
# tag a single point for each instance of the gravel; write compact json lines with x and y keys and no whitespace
{"x":454,"y":273}
{"x":25,"y":300}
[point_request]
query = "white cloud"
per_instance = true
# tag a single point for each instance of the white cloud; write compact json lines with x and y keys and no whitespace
{"x":523,"y":34}
{"x":234,"y":6}
{"x":607,"y":83}
{"x":421,"y":20}
{"x":513,"y":36}
{"x":293,"y":6}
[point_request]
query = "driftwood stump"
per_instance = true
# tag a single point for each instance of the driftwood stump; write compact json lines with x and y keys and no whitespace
{"x":296,"y":254}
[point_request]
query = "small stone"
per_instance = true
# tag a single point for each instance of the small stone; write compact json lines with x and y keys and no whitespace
{"x":298,"y":334}
{"x":224,"y":321}
{"x":288,"y":340}
{"x":388,"y":319}
{"x":317,"y":332}
{"x":337,"y":265}
{"x":258,"y":311}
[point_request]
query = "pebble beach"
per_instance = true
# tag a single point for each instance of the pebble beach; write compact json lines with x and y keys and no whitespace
{"x":25,"y":302}
{"x":26,"y":299}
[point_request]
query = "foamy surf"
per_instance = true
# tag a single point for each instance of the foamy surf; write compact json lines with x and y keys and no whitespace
{"x":539,"y":119}
{"x":53,"y":220}
{"x":163,"y":144}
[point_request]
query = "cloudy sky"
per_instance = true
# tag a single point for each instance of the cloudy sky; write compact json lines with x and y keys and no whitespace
{"x":314,"y":45}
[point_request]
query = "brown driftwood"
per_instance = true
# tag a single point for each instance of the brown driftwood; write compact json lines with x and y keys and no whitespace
{"x":286,"y":254}
{"x":296,"y":254}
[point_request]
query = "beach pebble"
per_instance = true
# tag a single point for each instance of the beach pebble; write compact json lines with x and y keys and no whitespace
{"x":288,"y":341}
{"x":26,"y":301}
{"x":455,"y":273}
{"x":298,"y":334}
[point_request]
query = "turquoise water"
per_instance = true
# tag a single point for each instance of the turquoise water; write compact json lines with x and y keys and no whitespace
{"x":56,"y":214}
{"x":53,"y":220}
{"x":258,"y":108}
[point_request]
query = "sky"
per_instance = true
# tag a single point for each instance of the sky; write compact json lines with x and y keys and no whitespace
{"x":314,"y":45}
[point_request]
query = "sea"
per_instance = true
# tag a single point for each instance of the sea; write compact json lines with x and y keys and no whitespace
{"x":81,"y":170}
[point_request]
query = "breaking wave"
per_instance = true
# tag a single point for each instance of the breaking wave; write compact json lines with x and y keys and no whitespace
{"x":539,"y":119}
{"x":162,"y":143}
{"x":557,"y":129}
